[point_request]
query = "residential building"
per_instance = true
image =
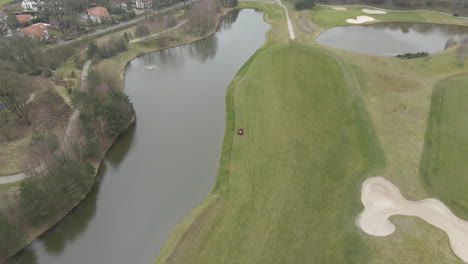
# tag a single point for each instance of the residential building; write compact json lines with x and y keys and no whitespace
{"x":38,"y":31}
{"x":96,"y":14}
{"x":5,"y":31}
{"x":30,"y":4}
{"x":143,"y":4}
{"x":24,"y":18}
{"x":3,"y":18}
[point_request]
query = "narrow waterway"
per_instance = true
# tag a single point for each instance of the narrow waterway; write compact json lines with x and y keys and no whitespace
{"x":166,"y":164}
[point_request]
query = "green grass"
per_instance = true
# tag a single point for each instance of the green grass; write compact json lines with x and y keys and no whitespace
{"x":444,"y":165}
{"x":289,"y":188}
{"x":4,"y":2}
{"x":327,"y":17}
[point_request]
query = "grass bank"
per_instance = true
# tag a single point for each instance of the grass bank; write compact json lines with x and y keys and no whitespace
{"x":444,"y":166}
{"x":264,"y":197}
{"x":287,"y":191}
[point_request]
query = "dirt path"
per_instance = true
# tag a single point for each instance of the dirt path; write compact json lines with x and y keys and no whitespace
{"x":382,"y":199}
{"x":159,"y":33}
{"x":73,"y":122}
{"x":292,"y":35}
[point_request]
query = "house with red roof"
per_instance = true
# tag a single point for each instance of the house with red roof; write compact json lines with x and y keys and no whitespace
{"x":96,"y":14}
{"x":24,"y":18}
{"x":38,"y":31}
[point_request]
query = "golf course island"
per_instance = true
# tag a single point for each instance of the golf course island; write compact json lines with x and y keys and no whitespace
{"x":285,"y":132}
{"x":321,"y":123}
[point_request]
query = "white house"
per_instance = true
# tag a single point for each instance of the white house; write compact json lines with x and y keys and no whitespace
{"x":3,"y":18}
{"x":142,"y":4}
{"x":30,"y":4}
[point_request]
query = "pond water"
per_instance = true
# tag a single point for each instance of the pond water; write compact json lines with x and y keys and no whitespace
{"x":393,"y":38}
{"x":166,"y":164}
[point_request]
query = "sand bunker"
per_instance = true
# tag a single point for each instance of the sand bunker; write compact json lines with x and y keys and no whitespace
{"x":339,"y":8}
{"x":376,"y":12}
{"x":360,"y":20}
{"x":382,"y":199}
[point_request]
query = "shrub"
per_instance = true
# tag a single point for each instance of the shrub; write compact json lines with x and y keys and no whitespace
{"x":93,"y":50}
{"x":413,"y":55}
{"x":142,"y":31}
{"x":304,"y":4}
{"x":113,"y":47}
{"x":10,"y":237}
{"x":42,"y":199}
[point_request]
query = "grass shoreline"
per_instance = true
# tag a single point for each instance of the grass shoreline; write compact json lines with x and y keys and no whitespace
{"x":433,"y":165}
{"x":198,"y":215}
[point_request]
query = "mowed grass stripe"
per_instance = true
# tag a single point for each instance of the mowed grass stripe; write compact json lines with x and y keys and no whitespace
{"x":290,"y":191}
{"x":444,"y":166}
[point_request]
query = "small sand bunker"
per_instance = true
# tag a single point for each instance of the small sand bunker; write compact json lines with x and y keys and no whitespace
{"x":360,"y":20}
{"x":382,"y":199}
{"x":339,"y":8}
{"x":376,"y":12}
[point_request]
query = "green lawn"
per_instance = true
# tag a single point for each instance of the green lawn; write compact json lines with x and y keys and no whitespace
{"x":327,"y":17}
{"x":4,"y":2}
{"x":444,"y":166}
{"x":288,"y":190}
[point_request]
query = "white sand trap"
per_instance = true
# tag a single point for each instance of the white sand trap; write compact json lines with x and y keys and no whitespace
{"x":382,"y":199}
{"x":360,"y":20}
{"x":376,"y":12}
{"x":339,"y":8}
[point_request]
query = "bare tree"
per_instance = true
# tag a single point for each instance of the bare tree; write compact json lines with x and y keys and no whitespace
{"x":14,"y":94}
{"x":203,"y":16}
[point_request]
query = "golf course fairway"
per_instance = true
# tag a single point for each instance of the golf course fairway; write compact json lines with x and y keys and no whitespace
{"x":444,"y":164}
{"x":288,"y":190}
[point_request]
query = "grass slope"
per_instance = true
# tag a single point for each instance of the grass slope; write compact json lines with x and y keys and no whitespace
{"x":289,"y":189}
{"x":4,"y":2}
{"x":444,"y":165}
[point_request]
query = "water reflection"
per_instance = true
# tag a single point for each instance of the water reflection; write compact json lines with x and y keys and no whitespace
{"x":204,"y":50}
{"x":393,"y":38}
{"x":229,"y":20}
{"x":121,"y":148}
{"x":26,"y":256}
{"x":164,"y":166}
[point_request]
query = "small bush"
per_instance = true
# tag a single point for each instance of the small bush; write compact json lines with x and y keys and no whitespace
{"x":413,"y":55}
{"x":304,"y":4}
{"x":142,"y":31}
{"x":42,"y":199}
{"x":113,"y":47}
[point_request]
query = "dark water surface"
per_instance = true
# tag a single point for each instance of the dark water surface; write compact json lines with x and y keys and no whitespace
{"x":166,"y":164}
{"x":393,"y":38}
